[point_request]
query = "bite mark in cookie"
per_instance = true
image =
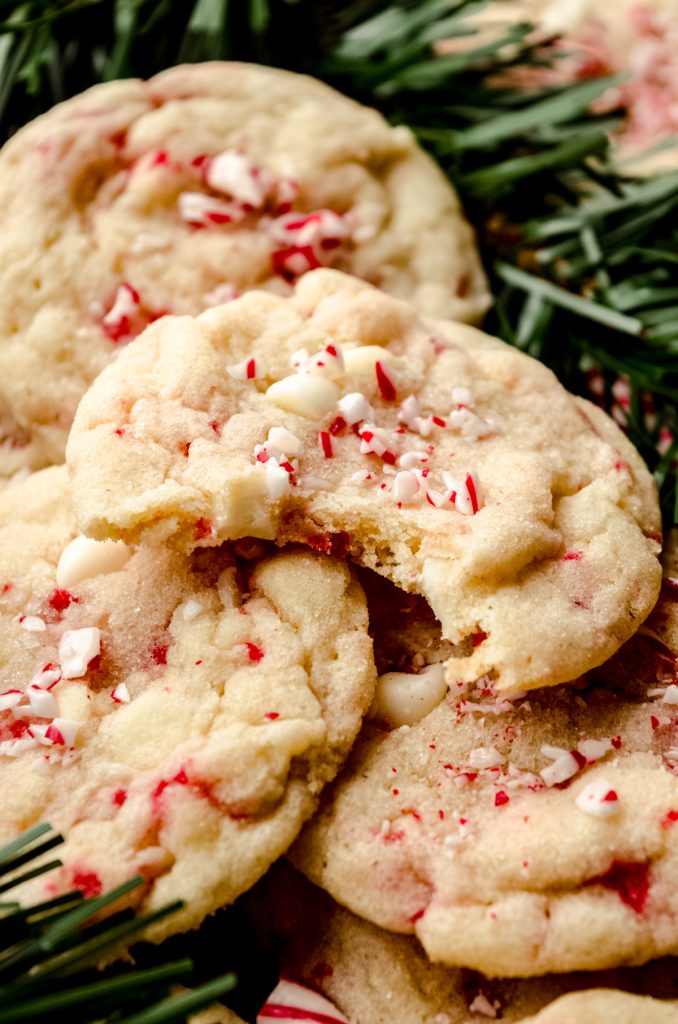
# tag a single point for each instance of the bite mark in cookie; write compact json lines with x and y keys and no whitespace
{"x":433,"y":454}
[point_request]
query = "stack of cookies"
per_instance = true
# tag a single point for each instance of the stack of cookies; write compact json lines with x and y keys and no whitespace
{"x":327,"y":571}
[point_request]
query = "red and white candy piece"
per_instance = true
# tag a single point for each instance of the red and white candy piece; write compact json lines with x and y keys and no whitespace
{"x":232,"y":173}
{"x":32,"y":623}
{"x":60,"y":732}
{"x":84,"y":558}
{"x":329,"y":362}
{"x":77,"y":647}
{"x":10,"y":699}
{"x":203,"y":211}
{"x":42,"y":703}
{"x":376,"y":441}
{"x":118,"y":321}
{"x":322,"y":229}
{"x":248,"y":369}
{"x":290,"y":1003}
{"x":294,"y":261}
{"x":404,"y":698}
{"x":363,"y":359}
{"x":598,"y":798}
{"x":464,"y":492}
{"x":564,"y":767}
{"x":120,"y":694}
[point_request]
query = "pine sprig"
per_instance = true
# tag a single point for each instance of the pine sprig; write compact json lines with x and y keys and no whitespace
{"x":45,"y":947}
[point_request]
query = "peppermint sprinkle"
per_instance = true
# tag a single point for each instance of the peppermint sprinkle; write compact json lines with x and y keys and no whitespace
{"x":32,"y":624}
{"x":385,"y":383}
{"x":248,"y":369}
{"x":322,"y":229}
{"x":405,"y":486}
{"x":117,"y":322}
{"x":329,"y":362}
{"x":598,"y":798}
{"x":201,"y":211}
{"x":355,"y":408}
{"x":77,"y":647}
{"x":563,"y":768}
{"x":290,"y":1003}
{"x":61,"y":732}
{"x":232,"y":173}
{"x":121,"y":694}
{"x":325,"y":439}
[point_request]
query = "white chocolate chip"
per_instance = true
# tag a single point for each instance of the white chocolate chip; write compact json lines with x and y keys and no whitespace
{"x":363,"y":358}
{"x":404,"y":698}
{"x":84,"y":558}
{"x":405,"y":486}
{"x":77,"y":647}
{"x":32,"y":624}
{"x":285,"y":440}
{"x":305,"y":395}
{"x":191,"y":609}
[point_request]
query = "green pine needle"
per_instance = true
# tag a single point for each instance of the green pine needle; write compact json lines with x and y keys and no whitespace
{"x":44,"y":947}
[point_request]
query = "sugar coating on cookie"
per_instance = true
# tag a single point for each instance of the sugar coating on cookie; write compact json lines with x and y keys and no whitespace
{"x":369,"y":973}
{"x":434,"y":454}
{"x":517,"y":837}
{"x":138,"y":199}
{"x":174,"y":718}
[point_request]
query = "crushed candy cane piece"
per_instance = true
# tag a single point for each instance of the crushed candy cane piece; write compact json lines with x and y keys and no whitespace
{"x":482,"y":1005}
{"x":121,"y":694}
{"x":593,"y":750}
{"x":329,"y":362}
{"x":10,"y":699}
{"x":77,"y":647}
{"x":563,"y":768}
{"x":42,"y":703}
{"x":248,"y":369}
{"x":355,"y":408}
{"x":670,"y":694}
{"x":404,"y":698}
{"x":200,"y":210}
{"x":46,"y":678}
{"x":293,"y":262}
{"x":598,"y":798}
{"x":305,"y":395}
{"x":405,"y":486}
{"x":385,"y":382}
{"x":84,"y":558}
{"x":485,"y":757}
{"x":290,"y":1003}
{"x":32,"y":623}
{"x":60,"y":732}
{"x":117,"y":321}
{"x":277,"y":480}
{"x":232,"y":173}
{"x":316,"y":229}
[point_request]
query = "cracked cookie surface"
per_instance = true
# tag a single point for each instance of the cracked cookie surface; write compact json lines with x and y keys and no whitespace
{"x":138,"y":199}
{"x":174,"y":717}
{"x":426,"y":450}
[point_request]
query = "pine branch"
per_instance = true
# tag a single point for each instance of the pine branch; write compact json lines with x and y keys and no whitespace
{"x":45,"y":947}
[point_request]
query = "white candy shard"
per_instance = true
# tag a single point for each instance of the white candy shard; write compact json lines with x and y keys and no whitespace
{"x":598,"y":798}
{"x":309,"y":228}
{"x":77,"y":647}
{"x":404,"y":698}
{"x":563,"y":768}
{"x":482,"y":1005}
{"x":121,"y":694}
{"x":405,"y":486}
{"x":285,"y":440}
{"x":247,"y":369}
{"x":305,"y":395}
{"x":125,"y":306}
{"x":354,"y":407}
{"x":593,"y":750}
{"x":42,"y":703}
{"x":60,"y":732}
{"x":85,"y":558}
{"x":46,"y":678}
{"x":670,"y":694}
{"x":485,"y":757}
{"x":10,"y":699}
{"x":277,"y":480}
{"x":303,"y":1005}
{"x":329,"y":362}
{"x":231,"y":173}
{"x":32,"y":624}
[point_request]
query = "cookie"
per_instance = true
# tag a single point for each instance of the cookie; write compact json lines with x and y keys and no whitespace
{"x":375,"y":977}
{"x":174,"y":717}
{"x":434,"y":454}
{"x":138,"y":199}
{"x":513,"y":837}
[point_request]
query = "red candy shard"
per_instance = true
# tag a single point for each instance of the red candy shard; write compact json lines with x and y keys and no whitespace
{"x":159,"y":652}
{"x":202,"y":529}
{"x":501,"y":798}
{"x":629,"y":880}
{"x":670,"y":818}
{"x":254,"y":653}
{"x":88,"y":882}
{"x":60,"y":599}
{"x":573,"y":556}
{"x":384,"y":382}
{"x":477,"y":638}
{"x":119,"y":797}
{"x":294,"y":261}
{"x":334,"y":544}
